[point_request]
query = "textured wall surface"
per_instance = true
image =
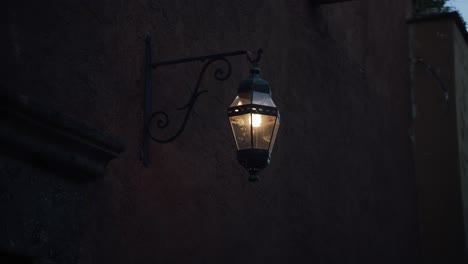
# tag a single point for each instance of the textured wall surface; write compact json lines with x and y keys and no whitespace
{"x":461,"y":92}
{"x":41,"y":214}
{"x":439,"y":145}
{"x":340,"y":188}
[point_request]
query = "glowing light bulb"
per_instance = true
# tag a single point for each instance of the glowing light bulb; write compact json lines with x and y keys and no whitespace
{"x":256,"y":120}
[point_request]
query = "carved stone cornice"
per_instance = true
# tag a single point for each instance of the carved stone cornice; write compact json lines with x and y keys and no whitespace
{"x":32,"y":132}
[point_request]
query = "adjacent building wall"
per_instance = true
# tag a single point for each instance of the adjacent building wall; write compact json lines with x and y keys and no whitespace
{"x":439,"y":55}
{"x":461,"y":94}
{"x":340,"y":188}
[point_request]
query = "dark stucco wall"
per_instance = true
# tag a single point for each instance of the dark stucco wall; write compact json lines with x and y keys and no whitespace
{"x":340,"y":188}
{"x":439,"y":126}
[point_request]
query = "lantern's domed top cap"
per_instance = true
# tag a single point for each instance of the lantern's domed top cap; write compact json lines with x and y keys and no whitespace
{"x":254,"y":83}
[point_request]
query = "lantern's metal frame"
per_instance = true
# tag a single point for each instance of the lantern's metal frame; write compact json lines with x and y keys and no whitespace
{"x":254,"y":159}
{"x":161,"y":117}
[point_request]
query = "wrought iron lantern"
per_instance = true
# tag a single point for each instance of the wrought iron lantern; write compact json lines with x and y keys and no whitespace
{"x":254,"y":121}
{"x":253,"y":116}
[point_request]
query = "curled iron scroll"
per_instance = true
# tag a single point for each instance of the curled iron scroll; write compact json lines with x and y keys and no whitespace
{"x":162,"y":118}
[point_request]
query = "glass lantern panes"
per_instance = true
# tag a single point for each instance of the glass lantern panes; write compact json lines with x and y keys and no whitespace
{"x":275,"y":132}
{"x":242,"y":99}
{"x":262,"y":126}
{"x":262,"y":99}
{"x":254,"y":120}
{"x":241,"y":130}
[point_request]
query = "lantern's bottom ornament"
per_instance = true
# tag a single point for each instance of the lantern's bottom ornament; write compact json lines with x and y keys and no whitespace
{"x":253,"y":160}
{"x":254,"y":121}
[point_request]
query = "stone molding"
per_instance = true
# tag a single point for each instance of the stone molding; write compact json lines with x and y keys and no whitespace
{"x":31,"y":131}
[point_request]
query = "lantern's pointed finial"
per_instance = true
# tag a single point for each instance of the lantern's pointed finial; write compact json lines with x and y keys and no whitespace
{"x":253,"y":175}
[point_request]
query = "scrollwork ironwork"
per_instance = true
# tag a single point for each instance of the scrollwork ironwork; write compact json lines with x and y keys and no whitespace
{"x":161,"y":117}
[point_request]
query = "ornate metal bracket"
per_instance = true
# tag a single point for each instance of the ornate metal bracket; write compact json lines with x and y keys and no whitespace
{"x":161,"y":117}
